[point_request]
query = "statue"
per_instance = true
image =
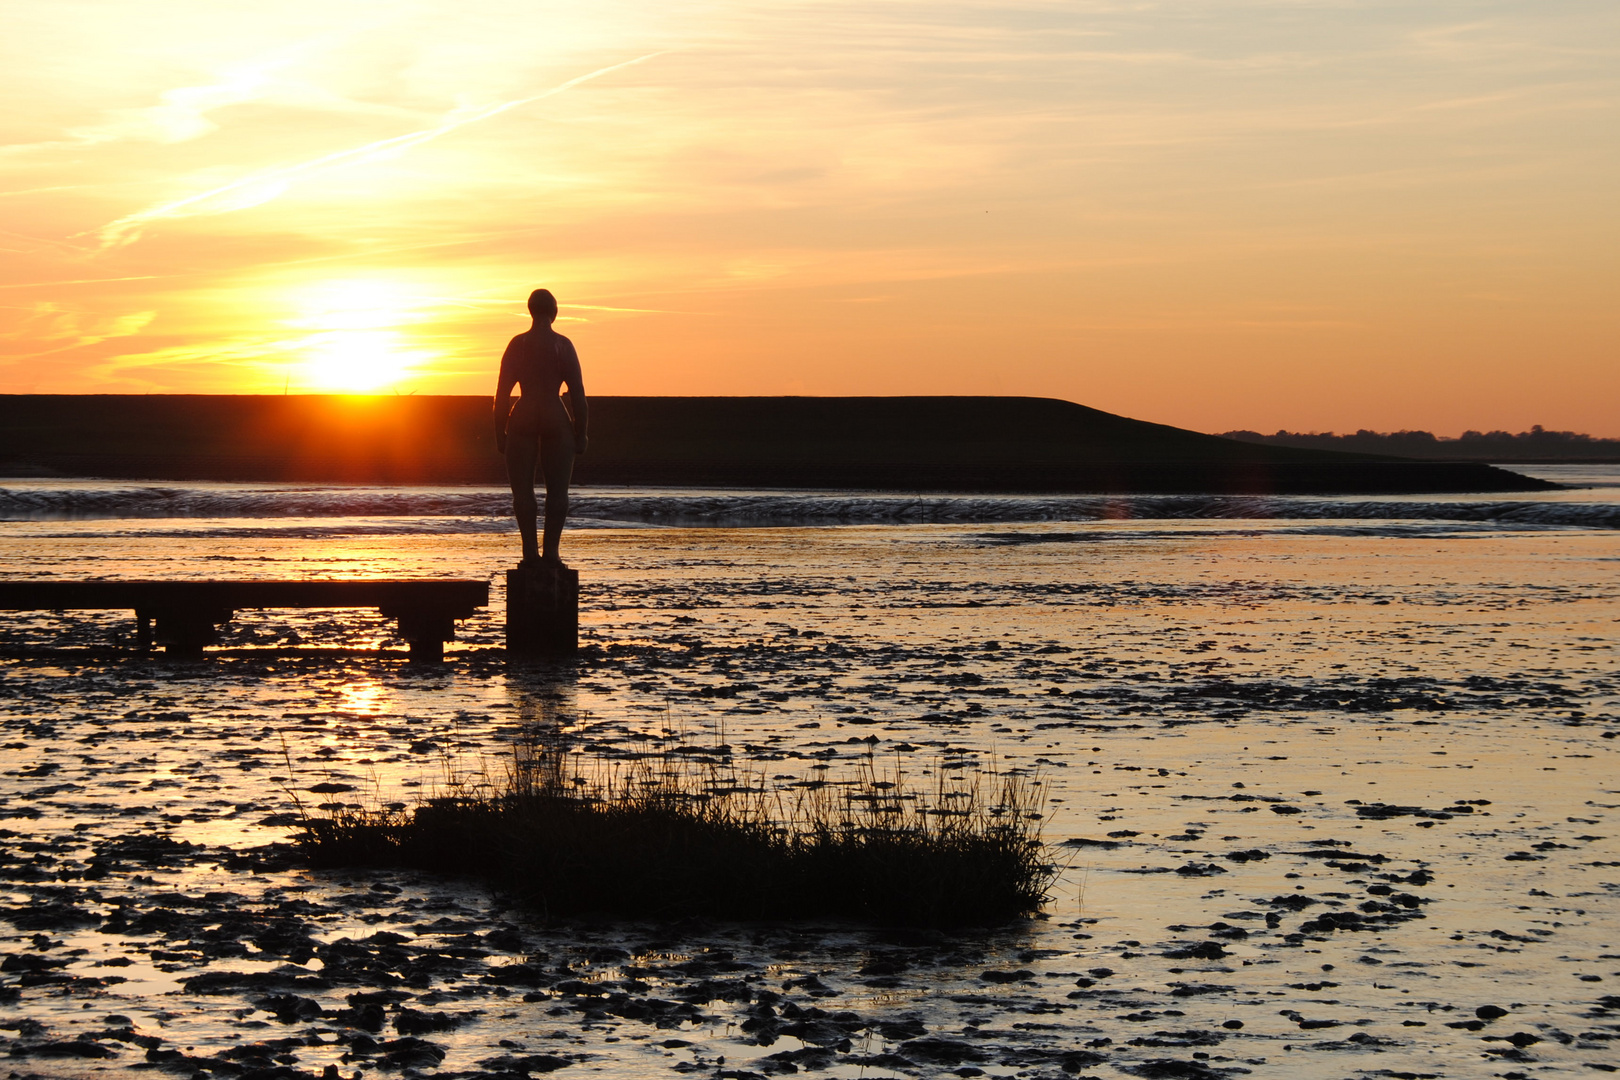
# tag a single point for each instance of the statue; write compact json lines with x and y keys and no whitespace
{"x":545,"y":430}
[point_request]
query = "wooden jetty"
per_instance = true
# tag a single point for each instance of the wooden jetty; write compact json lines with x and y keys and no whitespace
{"x":184,"y":616}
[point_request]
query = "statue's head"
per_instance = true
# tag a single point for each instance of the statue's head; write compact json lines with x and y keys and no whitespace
{"x":543,"y":306}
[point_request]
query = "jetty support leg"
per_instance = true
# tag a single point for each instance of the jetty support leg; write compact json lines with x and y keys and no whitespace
{"x":427,"y":650}
{"x":542,"y":610}
{"x":426,"y":630}
{"x":185,"y":631}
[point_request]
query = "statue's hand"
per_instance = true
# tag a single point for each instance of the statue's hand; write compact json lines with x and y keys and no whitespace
{"x":500,"y":443}
{"x":580,"y":443}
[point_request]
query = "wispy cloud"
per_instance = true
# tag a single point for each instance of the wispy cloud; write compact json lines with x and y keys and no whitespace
{"x":633,"y":310}
{"x":65,"y":329}
{"x":182,"y":113}
{"x":261,"y":187}
{"x":79,"y":281}
{"x":259,"y":354}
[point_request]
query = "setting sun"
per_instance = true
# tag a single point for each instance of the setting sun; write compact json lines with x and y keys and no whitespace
{"x":355,"y":360}
{"x":356,"y":343}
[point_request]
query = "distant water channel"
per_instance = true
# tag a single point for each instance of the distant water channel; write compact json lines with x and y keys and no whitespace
{"x":1333,"y":782}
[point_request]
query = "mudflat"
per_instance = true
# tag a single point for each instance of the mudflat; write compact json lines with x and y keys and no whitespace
{"x":1330,"y":797}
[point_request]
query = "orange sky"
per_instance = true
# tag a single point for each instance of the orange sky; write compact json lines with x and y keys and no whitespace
{"x":1212,"y":213}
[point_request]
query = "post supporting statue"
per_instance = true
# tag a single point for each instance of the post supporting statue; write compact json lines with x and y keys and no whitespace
{"x":542,"y":433}
{"x":542,"y":609}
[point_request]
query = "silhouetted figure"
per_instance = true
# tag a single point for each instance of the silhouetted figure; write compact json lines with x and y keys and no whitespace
{"x":541,"y":430}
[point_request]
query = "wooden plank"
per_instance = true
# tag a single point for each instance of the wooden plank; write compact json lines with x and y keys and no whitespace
{"x":446,"y":595}
{"x":187,"y":613}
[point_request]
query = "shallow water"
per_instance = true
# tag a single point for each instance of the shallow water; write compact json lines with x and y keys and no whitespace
{"x":1427,"y":699}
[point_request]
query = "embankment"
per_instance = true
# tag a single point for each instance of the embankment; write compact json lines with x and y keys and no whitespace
{"x":944,"y":444}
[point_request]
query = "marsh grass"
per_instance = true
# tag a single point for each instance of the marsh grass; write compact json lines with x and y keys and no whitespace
{"x":662,"y":835}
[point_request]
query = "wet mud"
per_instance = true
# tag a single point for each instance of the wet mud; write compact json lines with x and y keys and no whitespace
{"x":1327,"y":806}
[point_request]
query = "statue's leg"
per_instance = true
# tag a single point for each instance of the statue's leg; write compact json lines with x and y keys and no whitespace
{"x":557,"y":466}
{"x":521,"y":454}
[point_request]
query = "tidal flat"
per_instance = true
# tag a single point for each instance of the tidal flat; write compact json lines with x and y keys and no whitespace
{"x":1330,"y":800}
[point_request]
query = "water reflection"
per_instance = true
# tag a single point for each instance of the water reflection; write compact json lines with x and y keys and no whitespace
{"x":544,"y":698}
{"x":366,"y":698}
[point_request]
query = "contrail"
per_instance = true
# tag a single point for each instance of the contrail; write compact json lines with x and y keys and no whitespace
{"x":80,"y":281}
{"x":261,"y":187}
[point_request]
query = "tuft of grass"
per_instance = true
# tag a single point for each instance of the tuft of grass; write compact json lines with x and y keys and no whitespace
{"x":663,"y":836}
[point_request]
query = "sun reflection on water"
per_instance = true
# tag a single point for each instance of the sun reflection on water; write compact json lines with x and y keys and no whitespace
{"x":366,"y":698}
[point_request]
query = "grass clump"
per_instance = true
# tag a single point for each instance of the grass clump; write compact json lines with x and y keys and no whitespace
{"x":663,"y":837}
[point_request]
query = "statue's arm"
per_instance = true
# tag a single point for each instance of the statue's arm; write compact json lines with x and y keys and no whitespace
{"x":503,"y":395}
{"x":578,"y":407}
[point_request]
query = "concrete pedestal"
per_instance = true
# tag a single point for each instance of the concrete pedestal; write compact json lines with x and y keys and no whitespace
{"x":542,"y":610}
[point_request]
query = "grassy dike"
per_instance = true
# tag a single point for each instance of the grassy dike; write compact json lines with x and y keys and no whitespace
{"x":941,"y":444}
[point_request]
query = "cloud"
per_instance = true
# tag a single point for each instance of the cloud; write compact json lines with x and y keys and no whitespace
{"x":65,"y":330}
{"x":79,"y":281}
{"x":262,"y":187}
{"x":183,"y":111}
{"x":237,"y":351}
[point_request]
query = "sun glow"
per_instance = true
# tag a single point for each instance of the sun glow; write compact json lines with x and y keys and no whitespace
{"x":357,"y":344}
{"x":367,"y":698}
{"x":355,"y":360}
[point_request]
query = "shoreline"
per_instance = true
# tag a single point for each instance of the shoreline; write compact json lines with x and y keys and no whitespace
{"x":1352,"y":478}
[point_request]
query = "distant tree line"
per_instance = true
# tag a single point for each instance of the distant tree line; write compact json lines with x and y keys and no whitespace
{"x":1537,"y":444}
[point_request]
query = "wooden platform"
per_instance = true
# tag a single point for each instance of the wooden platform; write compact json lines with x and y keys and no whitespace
{"x":184,"y":616}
